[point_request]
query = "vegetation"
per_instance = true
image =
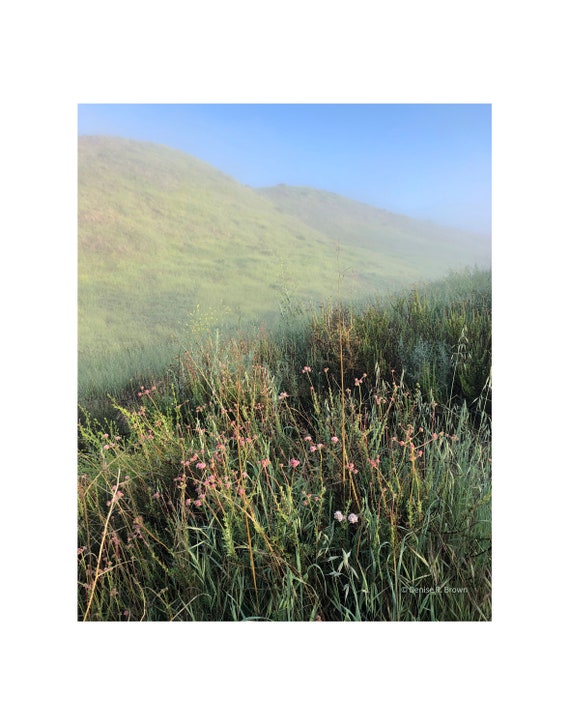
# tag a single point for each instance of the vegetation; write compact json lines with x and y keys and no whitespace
{"x":165,"y":239}
{"x":336,"y":468}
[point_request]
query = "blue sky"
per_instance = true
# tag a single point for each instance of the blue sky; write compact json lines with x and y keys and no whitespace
{"x":429,"y":161}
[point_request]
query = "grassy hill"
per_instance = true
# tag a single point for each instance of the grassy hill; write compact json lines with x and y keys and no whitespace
{"x":167,"y":243}
{"x":407,"y":248}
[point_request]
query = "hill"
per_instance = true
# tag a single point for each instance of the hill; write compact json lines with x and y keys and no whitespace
{"x":404,"y":243}
{"x":162,"y":235}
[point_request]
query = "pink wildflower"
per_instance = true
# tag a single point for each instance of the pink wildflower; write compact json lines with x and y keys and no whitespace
{"x":334,"y":439}
{"x":339,"y":515}
{"x":293,"y":462}
{"x":352,"y":518}
{"x":306,"y":369}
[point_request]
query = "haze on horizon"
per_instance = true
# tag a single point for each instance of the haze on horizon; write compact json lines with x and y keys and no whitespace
{"x":428,"y":161}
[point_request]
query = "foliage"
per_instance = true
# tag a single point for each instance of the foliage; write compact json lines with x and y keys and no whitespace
{"x":162,"y":234}
{"x":334,"y":469}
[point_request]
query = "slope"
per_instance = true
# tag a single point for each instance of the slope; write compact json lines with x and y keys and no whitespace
{"x":165,"y":240}
{"x":406,"y":244}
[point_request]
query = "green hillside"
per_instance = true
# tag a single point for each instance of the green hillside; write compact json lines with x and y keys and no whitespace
{"x":160,"y":232}
{"x":166,"y":240}
{"x":408,"y":247}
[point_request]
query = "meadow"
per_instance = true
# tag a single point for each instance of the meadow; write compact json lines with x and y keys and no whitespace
{"x":168,"y":245}
{"x":332,"y":466}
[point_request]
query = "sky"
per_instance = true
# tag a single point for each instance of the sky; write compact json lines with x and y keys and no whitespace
{"x":429,"y":161}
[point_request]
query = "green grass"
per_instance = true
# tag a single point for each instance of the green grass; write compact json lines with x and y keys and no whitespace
{"x":335,"y":468}
{"x":162,"y":234}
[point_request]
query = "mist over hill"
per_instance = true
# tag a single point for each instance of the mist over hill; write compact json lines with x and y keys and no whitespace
{"x":396,"y":236}
{"x":162,"y":234}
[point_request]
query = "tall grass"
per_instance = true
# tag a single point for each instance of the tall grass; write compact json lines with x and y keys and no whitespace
{"x":315,"y":472}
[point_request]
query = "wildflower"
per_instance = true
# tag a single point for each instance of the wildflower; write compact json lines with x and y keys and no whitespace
{"x":201,"y":466}
{"x":307,"y":438}
{"x":313,"y":449}
{"x":293,"y":462}
{"x":306,"y":369}
{"x":334,"y":439}
{"x":351,"y":467}
{"x":352,"y":518}
{"x":339,"y":516}
{"x":283,"y":395}
{"x":265,"y":462}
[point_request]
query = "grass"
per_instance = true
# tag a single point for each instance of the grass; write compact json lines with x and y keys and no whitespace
{"x":162,"y":234}
{"x":330,"y":469}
